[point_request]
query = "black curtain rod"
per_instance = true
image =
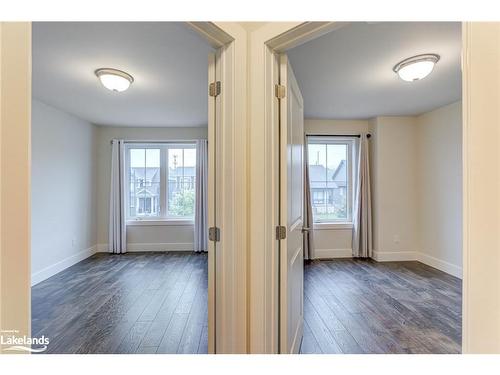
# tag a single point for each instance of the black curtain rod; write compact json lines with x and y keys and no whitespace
{"x":338,"y":135}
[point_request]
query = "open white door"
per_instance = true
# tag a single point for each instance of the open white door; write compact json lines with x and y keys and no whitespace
{"x":226,"y":286}
{"x":211,"y":206}
{"x":291,"y":210}
{"x":213,"y":245}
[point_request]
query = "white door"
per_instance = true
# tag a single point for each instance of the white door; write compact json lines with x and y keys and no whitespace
{"x":214,"y":246}
{"x":291,"y":211}
{"x":211,"y":207}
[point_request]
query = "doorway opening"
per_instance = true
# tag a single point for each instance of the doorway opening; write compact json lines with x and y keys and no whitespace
{"x":122,"y":197}
{"x":371,"y":183}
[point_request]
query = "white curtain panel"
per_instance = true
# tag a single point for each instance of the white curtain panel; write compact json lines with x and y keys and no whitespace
{"x":201,"y":208}
{"x":362,"y":240}
{"x":308,"y":212}
{"x":117,"y":229}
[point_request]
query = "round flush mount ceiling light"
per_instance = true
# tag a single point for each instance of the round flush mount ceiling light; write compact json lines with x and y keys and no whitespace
{"x":114,"y":79}
{"x":417,"y":67}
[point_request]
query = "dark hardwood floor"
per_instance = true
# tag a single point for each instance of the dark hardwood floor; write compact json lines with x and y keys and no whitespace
{"x":131,"y":303}
{"x":360,"y":306}
{"x":157,"y":303}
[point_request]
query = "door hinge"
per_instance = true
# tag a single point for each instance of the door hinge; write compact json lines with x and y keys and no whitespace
{"x":279,"y":91}
{"x":214,"y":88}
{"x":214,"y":234}
{"x":280,"y":232}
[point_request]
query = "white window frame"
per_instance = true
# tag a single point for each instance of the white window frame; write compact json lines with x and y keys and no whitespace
{"x":350,"y":142}
{"x":163,"y":218}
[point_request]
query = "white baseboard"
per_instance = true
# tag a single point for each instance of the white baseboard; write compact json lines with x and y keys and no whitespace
{"x":332,"y":253}
{"x":388,"y":256}
{"x":53,"y":269}
{"x":394,"y":256}
{"x":102,"y":247}
{"x":142,"y":247}
{"x":442,"y":265}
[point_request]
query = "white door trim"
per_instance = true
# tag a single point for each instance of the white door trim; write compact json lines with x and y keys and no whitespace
{"x":481,"y":193}
{"x":264,"y":186}
{"x":16,"y":59}
{"x":264,"y":43}
{"x":230,"y":281}
{"x":15,"y":183}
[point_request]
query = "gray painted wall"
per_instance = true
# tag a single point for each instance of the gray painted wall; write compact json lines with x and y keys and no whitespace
{"x":440,"y":184}
{"x":172,"y":237}
{"x":70,"y":190}
{"x":416,"y":174}
{"x":64,"y":188}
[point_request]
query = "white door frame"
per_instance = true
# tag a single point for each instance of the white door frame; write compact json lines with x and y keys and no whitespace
{"x":481,"y":187}
{"x":15,"y":246}
{"x":255,"y":330}
{"x":231,"y":194}
{"x":274,"y":38}
{"x":15,"y":193}
{"x":266,"y":43}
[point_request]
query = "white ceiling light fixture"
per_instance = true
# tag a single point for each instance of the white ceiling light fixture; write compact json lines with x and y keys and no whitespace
{"x":114,"y":79}
{"x":417,"y":67}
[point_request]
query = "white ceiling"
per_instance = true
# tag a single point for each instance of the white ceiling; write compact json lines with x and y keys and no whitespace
{"x":167,"y":60}
{"x":347,"y":74}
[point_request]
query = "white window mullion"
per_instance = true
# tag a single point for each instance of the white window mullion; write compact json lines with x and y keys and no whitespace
{"x":327,"y":183}
{"x":128,"y":178}
{"x":164,"y":181}
{"x":144,"y":179}
{"x":183,"y":171}
{"x":350,"y":179}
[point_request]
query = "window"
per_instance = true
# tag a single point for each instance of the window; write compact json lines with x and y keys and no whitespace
{"x":318,"y":197}
{"x":181,"y":180}
{"x":331,"y":178}
{"x":162,"y":180}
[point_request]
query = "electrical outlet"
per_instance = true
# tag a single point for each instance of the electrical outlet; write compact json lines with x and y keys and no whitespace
{"x":396,"y":238}
{"x":73,"y":242}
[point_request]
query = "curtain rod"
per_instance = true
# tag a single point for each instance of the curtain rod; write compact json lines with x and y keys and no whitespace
{"x":157,"y":141}
{"x":338,"y":135}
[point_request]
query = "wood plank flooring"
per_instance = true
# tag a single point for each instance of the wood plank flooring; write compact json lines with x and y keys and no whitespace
{"x":131,"y":303}
{"x":361,"y":306}
{"x":157,"y":303}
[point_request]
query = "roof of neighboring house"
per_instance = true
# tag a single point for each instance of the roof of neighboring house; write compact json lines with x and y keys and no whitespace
{"x":337,"y":176}
{"x":142,"y":193}
{"x":148,"y":173}
{"x":153,"y":173}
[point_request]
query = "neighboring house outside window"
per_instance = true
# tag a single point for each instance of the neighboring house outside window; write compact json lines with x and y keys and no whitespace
{"x":331,"y":178}
{"x":162,"y":180}
{"x":144,"y":191}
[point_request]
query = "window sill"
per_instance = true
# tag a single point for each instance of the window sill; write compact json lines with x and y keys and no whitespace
{"x":160,"y":222}
{"x":332,"y":226}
